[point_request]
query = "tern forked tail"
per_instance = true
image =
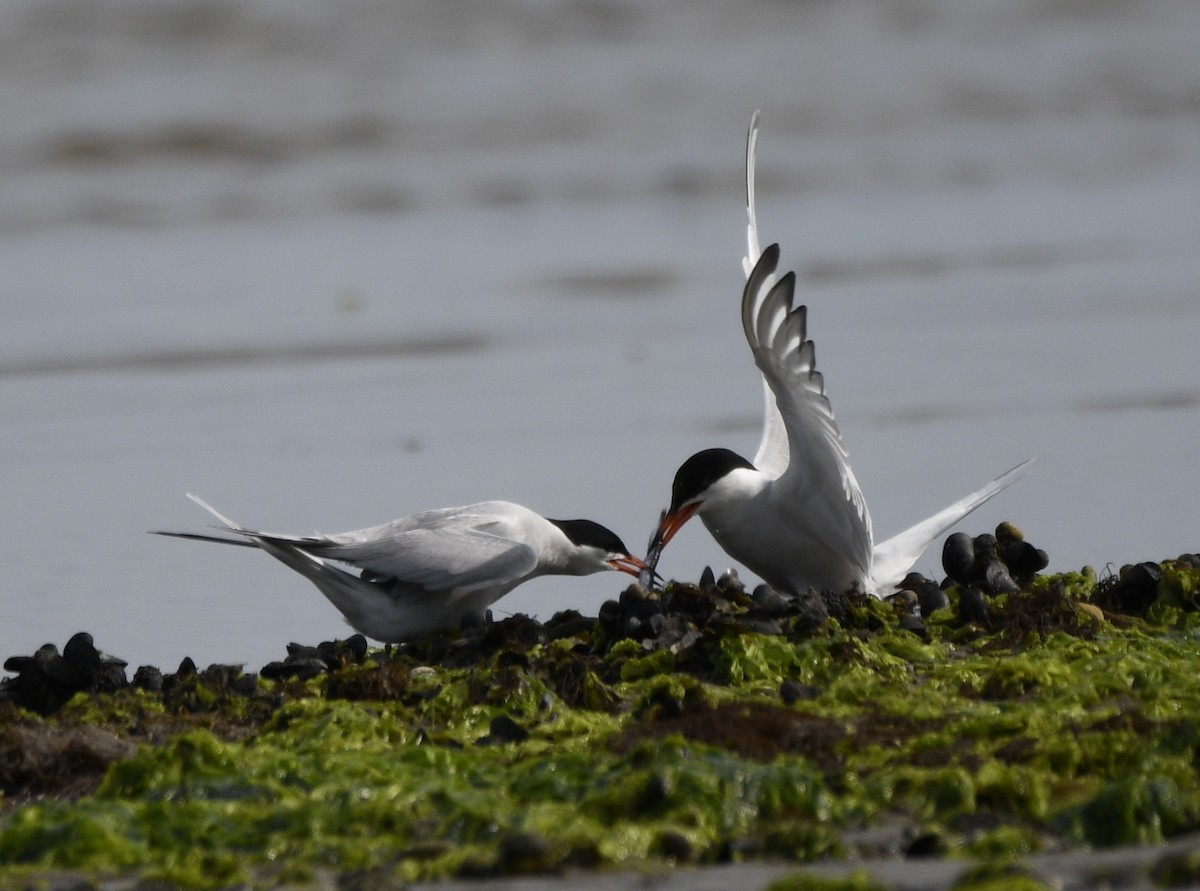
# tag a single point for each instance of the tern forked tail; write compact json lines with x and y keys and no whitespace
{"x":892,"y":560}
{"x":358,"y":600}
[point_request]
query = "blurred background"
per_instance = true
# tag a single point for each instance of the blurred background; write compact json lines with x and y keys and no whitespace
{"x":326,"y":264}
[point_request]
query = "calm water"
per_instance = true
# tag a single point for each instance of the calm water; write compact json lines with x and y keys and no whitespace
{"x":328,"y":264}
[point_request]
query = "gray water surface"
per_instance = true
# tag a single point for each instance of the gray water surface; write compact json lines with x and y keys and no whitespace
{"x":329,"y":264}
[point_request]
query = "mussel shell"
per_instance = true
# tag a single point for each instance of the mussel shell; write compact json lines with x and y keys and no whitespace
{"x":1007,"y":531}
{"x":973,"y":606}
{"x":611,"y":613}
{"x":958,"y":557}
{"x":729,"y":583}
{"x":932,"y":599}
{"x":999,"y":581}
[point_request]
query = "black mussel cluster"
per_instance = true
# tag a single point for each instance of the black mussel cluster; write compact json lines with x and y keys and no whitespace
{"x":677,"y":617}
{"x":986,"y":566}
{"x":1135,"y":587}
{"x":999,"y":564}
{"x":981,"y":567}
{"x":191,"y":689}
{"x":919,"y":597}
{"x":46,"y":680}
{"x":682,"y":618}
{"x":304,"y":662}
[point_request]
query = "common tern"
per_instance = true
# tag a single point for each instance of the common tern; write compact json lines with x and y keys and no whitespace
{"x":795,"y":515}
{"x":434,"y":569}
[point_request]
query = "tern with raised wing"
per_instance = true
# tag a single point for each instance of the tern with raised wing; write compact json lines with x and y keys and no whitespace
{"x":437,"y":568}
{"x":795,"y":515}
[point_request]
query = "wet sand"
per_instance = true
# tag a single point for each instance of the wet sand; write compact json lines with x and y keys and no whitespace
{"x":1122,"y":869}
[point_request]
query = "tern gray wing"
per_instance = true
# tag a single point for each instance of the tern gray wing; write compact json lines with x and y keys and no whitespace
{"x":460,"y":556}
{"x":818,"y":467}
{"x":467,"y":548}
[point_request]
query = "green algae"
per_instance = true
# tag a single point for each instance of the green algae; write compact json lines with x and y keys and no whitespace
{"x":1050,"y":726}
